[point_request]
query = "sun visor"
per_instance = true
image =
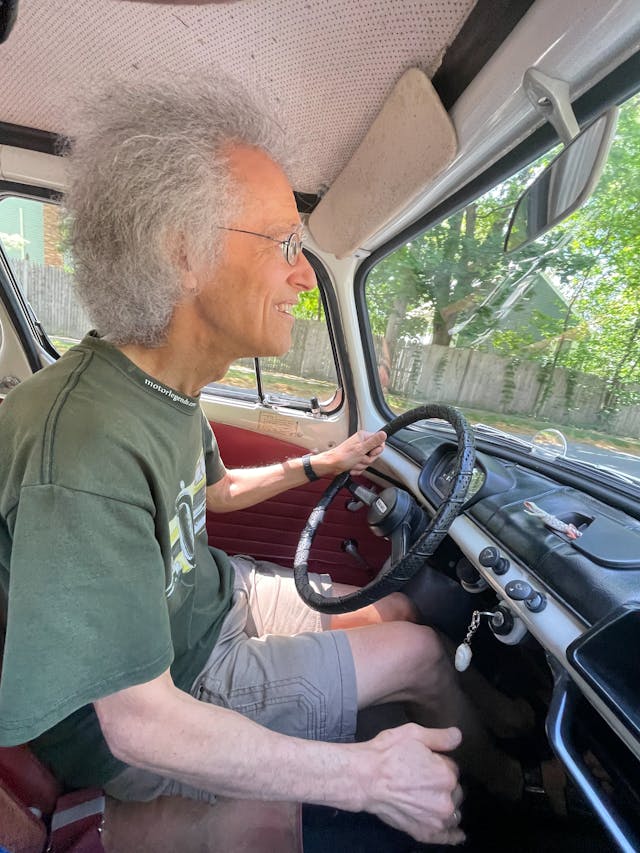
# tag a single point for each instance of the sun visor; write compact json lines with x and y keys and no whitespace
{"x":411,"y":141}
{"x":33,"y":168}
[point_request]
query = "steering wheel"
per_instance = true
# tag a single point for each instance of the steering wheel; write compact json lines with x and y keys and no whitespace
{"x":398,"y":519}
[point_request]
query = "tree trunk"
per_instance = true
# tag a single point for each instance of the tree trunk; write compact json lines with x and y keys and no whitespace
{"x":396,"y":316}
{"x":440,"y":331}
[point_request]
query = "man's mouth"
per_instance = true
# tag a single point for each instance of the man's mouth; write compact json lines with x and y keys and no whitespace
{"x":285,"y":308}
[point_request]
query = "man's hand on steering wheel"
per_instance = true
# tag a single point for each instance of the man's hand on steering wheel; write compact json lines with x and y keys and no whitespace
{"x":392,"y":513}
{"x":353,"y":455}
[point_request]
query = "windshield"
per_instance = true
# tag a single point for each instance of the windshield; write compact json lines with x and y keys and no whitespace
{"x":547,"y":337}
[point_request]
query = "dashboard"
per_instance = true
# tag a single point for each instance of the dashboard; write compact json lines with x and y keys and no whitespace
{"x":579,"y":598}
{"x":441,"y":479}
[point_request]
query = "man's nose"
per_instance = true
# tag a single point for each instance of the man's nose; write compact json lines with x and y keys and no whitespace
{"x":302,"y":274}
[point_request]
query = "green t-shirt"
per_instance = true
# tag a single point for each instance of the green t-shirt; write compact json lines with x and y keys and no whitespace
{"x":105,"y":570}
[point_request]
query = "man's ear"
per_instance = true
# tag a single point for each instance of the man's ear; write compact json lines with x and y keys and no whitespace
{"x":178,"y":253}
{"x":176,"y":250}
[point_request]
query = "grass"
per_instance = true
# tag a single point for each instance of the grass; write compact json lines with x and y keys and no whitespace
{"x":510,"y":423}
{"x":63,"y":344}
{"x":280,"y":383}
{"x":529,"y":427}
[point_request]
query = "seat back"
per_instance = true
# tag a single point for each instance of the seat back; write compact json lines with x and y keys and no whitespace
{"x":28,"y":780}
{"x":27,"y":792}
{"x":21,"y":831}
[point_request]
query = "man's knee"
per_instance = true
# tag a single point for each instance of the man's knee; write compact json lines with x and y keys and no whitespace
{"x":397,"y":661}
{"x":423,"y":657}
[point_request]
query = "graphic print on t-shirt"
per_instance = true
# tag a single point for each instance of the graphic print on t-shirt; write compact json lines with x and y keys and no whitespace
{"x":185,"y":526}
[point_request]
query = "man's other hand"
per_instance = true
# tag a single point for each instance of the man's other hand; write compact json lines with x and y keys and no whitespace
{"x":410,"y":785}
{"x":354,"y":455}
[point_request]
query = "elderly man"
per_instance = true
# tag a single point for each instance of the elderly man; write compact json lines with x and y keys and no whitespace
{"x":134,"y":663}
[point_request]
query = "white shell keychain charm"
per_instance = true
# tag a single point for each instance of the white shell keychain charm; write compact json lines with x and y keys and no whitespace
{"x":463,"y":656}
{"x":463,"y":652}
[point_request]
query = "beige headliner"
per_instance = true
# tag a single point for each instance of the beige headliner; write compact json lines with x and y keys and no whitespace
{"x":330,"y":63}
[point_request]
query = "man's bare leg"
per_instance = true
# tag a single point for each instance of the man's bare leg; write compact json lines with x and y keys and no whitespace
{"x":396,"y":660}
{"x":393,"y":608}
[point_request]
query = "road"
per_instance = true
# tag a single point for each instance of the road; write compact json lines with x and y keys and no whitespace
{"x":626,"y":463}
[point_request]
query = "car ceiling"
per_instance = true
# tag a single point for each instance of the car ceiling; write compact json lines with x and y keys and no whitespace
{"x":327,"y":65}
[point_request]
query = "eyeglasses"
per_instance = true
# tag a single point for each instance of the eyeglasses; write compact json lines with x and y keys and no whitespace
{"x":291,"y":247}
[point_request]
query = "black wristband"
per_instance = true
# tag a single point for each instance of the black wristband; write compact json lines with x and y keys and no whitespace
{"x":308,"y":470}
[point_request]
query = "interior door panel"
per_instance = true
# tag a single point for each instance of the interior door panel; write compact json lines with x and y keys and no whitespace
{"x":270,"y":530}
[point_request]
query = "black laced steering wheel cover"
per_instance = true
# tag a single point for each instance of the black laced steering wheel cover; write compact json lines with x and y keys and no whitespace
{"x":392,"y":578}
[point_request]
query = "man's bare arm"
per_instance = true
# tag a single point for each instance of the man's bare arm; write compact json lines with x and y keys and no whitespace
{"x":399,"y":775}
{"x":243,"y":487}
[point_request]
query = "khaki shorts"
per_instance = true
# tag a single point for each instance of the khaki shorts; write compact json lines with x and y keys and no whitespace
{"x":274,"y":663}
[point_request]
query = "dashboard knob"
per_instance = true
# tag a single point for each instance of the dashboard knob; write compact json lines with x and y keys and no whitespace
{"x":490,"y":558}
{"x":470,"y":578}
{"x":523,"y":591}
{"x":502,"y":622}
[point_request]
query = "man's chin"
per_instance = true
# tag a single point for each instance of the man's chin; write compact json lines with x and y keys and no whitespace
{"x":275,"y":350}
{"x":268,"y":349}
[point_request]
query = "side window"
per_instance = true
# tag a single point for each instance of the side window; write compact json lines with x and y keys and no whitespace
{"x":305,"y":377}
{"x":31,"y":238}
{"x":239,"y":381}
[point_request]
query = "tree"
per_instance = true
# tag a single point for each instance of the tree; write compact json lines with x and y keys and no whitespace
{"x":442,"y":279}
{"x":309,"y":305}
{"x":452,"y":285}
{"x":600,"y":269}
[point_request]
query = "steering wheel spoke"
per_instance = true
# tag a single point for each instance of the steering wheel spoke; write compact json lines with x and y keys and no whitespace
{"x":395,"y":515}
{"x":360,"y":492}
{"x":399,"y":544}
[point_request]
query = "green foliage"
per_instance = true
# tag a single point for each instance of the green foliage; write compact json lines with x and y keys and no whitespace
{"x":309,"y":306}
{"x":509,"y":383}
{"x":439,"y":373}
{"x":600,"y":268}
{"x":445,"y":283}
{"x":13,"y":241}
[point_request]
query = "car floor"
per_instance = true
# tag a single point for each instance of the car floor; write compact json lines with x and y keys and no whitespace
{"x":550,"y":817}
{"x":491,"y":827}
{"x":530,"y":827}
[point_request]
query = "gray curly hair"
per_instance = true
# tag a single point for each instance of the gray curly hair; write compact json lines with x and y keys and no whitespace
{"x":147,"y":161}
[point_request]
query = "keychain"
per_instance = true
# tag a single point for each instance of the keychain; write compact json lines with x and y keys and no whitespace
{"x":552,"y":521}
{"x":463,"y":652}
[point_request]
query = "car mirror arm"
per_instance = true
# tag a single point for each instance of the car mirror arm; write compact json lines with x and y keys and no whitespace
{"x":550,"y":97}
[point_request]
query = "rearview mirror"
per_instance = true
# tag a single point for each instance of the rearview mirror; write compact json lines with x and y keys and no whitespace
{"x":565,"y":184}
